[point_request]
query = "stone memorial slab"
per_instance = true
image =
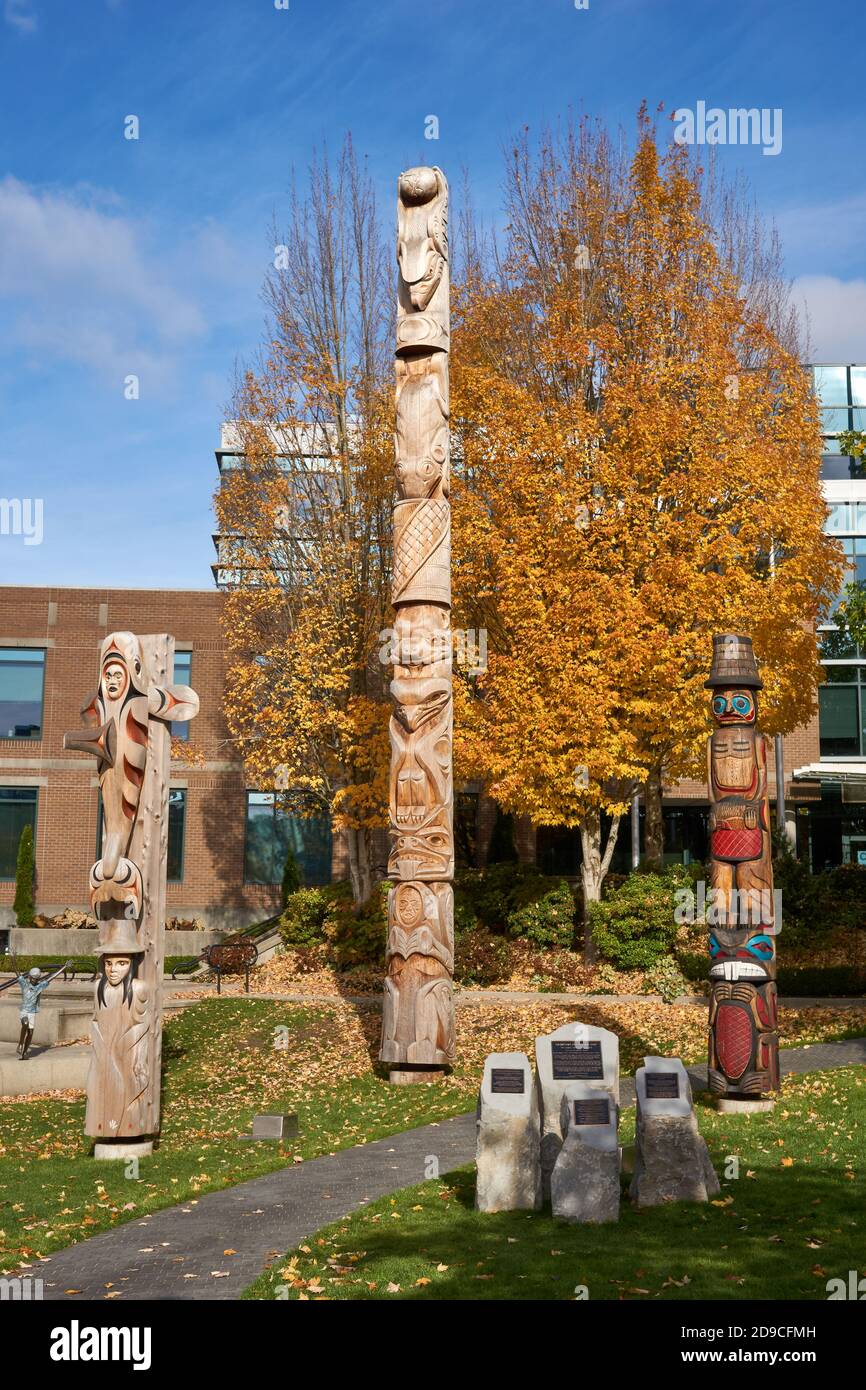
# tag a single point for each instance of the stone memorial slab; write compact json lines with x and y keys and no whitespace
{"x":508,"y":1146}
{"x":672,"y":1163}
{"x":575,"y":1053}
{"x":277,"y":1127}
{"x":584,"y":1183}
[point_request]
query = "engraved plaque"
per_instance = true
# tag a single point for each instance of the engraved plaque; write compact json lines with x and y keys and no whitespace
{"x":576,"y":1061}
{"x":592,"y":1112}
{"x":662,"y":1085}
{"x":509,"y":1081}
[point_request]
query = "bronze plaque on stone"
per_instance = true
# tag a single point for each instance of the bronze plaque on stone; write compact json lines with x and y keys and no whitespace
{"x":510,"y":1081}
{"x":592,"y":1112}
{"x":662,"y":1085}
{"x":574,"y":1061}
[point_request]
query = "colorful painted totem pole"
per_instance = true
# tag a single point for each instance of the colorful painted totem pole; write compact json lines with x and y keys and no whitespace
{"x":129,"y":735}
{"x":743,"y":1044}
{"x":418,"y":1014}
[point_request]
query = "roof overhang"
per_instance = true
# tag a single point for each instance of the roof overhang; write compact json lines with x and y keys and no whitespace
{"x":831,"y":772}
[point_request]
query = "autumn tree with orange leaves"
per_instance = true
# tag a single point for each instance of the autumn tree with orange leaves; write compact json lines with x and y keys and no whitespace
{"x":306,"y":520}
{"x":639,"y":468}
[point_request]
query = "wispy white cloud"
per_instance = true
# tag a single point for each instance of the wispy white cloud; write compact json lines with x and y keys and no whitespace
{"x":827,"y":229}
{"x":836,"y":312}
{"x":85,"y":286}
{"x":20,"y":15}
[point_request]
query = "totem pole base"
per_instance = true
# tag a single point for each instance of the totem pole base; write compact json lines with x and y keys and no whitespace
{"x":122,"y":1148}
{"x":745,"y":1105}
{"x":408,"y":1075}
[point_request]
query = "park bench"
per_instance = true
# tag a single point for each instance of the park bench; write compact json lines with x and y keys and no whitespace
{"x":231,"y":958}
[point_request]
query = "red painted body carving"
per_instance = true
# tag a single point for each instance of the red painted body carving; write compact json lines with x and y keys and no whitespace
{"x":743,"y":1043}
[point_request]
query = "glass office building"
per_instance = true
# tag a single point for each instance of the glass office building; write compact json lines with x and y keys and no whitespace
{"x":836,"y":831}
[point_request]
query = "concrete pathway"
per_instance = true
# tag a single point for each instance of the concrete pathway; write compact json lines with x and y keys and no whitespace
{"x":179,"y":1253}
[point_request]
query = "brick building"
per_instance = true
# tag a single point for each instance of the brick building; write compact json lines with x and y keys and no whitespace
{"x":226,"y":840}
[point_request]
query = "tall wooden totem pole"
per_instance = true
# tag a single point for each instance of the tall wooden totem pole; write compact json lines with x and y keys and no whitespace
{"x":743,"y":1043}
{"x":418,"y":1014}
{"x":128,"y":719}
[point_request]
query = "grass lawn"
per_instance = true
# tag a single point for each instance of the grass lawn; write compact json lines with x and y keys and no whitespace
{"x":224,"y":1062}
{"x":220,"y":1068}
{"x":793,"y":1218}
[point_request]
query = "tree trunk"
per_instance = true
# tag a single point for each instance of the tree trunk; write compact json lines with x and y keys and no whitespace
{"x":593,"y":869}
{"x":360,"y":865}
{"x":654,"y":830}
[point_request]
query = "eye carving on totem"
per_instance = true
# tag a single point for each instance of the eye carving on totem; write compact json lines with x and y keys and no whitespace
{"x":734,"y":707}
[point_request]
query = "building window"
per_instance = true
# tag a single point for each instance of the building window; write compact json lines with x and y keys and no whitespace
{"x":271,"y":831}
{"x":22,"y":683}
{"x":176,"y":833}
{"x":841,"y":391}
{"x":176,"y":830}
{"x":842,"y":709}
{"x":182,"y":676}
{"x":17,"y":809}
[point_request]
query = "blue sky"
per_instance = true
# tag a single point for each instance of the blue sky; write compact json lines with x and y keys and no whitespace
{"x":146,"y":257}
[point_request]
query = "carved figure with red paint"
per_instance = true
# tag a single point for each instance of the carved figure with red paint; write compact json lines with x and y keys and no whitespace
{"x":743,"y":1042}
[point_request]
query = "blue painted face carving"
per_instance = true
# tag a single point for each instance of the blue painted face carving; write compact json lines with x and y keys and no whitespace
{"x":734,"y":706}
{"x":761,"y":947}
{"x":734,"y":959}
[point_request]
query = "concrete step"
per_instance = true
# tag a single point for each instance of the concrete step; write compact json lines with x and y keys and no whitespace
{"x":46,"y":1069}
{"x":63,"y":1022}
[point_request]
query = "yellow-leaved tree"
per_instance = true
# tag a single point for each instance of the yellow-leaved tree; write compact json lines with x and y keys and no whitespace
{"x":639,"y":469}
{"x":306,"y":518}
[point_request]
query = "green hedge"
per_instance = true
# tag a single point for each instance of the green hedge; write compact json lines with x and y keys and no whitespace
{"x":634,"y":925}
{"x":549,"y":921}
{"x":88,"y":963}
{"x":492,"y":894}
{"x":480,"y":958}
{"x":818,"y":981}
{"x":316,"y":916}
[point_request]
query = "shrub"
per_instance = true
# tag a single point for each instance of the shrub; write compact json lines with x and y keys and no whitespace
{"x":465,"y":917}
{"x":802,"y":908}
{"x":667,"y":979}
{"x":480,"y":958}
{"x":357,"y":939}
{"x":694,"y":965}
{"x":24,"y":875}
{"x":634,"y":925}
{"x":548,"y":921}
{"x":492,"y":894}
{"x":303,"y":918}
{"x":605,"y":980}
{"x":846,"y":893}
{"x":799,"y":980}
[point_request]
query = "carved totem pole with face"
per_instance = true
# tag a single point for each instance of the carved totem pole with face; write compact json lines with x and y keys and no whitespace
{"x":743,"y":1044}
{"x":418,"y":1015}
{"x":128,"y":719}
